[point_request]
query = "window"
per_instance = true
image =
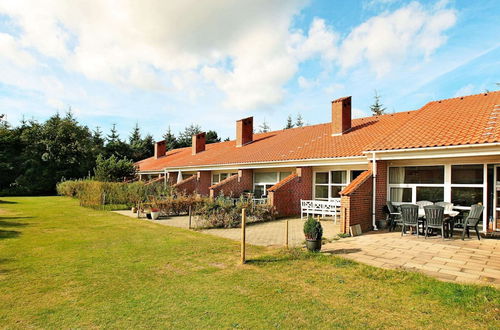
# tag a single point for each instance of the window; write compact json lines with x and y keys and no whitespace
{"x":401,"y":195}
{"x":265,"y":180}
{"x":466,"y":196}
{"x":467,"y":174}
{"x":416,"y":175}
{"x":410,"y":184}
{"x":186,"y":175}
{"x":327,"y":185}
{"x":355,"y":174}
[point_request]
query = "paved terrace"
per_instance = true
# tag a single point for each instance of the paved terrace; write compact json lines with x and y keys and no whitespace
{"x":470,"y":261}
{"x":270,"y":233}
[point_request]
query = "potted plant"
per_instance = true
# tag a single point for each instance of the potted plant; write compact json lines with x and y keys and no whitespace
{"x":314,"y":233}
{"x":155,"y":213}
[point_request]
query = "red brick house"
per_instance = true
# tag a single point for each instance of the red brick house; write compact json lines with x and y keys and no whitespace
{"x":449,"y":150}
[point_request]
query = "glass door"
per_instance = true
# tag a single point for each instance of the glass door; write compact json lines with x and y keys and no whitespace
{"x":496,"y":203}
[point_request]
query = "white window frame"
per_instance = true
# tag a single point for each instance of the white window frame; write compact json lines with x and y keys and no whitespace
{"x":329,"y":171}
{"x":265,"y":184}
{"x":414,"y":186}
{"x":447,"y":185}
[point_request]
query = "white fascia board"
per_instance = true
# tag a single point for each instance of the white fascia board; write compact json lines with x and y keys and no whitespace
{"x":356,"y":160}
{"x":483,"y":145}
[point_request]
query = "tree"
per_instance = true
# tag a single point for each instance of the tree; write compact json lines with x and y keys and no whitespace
{"x":289,"y":123}
{"x":299,"y":122}
{"x":264,"y":127}
{"x":115,"y":146}
{"x":212,"y":137}
{"x":377,"y":108}
{"x":170,"y":139}
{"x":185,"y":137}
{"x":113,"y":169}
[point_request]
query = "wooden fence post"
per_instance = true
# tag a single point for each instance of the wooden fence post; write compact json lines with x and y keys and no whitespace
{"x":243,"y":223}
{"x":190,"y":215}
{"x":286,"y":234}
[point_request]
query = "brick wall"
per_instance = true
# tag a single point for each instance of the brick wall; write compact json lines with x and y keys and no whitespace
{"x":203,"y":182}
{"x":285,"y":196}
{"x":187,"y":186}
{"x":356,"y":203}
{"x":235,"y":185}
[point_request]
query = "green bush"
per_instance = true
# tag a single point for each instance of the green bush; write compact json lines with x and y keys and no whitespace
{"x":313,"y":229}
{"x":225,"y":213}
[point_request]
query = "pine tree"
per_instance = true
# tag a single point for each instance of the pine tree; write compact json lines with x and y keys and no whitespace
{"x":185,"y":137}
{"x":377,"y":108}
{"x":299,"y":122}
{"x":289,"y":123}
{"x":212,"y":137}
{"x":113,"y":136}
{"x":135,"y":136}
{"x":170,"y":139}
{"x":264,"y":127}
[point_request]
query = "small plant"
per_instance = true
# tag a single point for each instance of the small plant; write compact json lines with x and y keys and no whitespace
{"x":313,"y":229}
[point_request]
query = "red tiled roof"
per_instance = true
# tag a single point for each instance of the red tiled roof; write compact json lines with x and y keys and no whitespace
{"x":360,"y":179}
{"x":300,"y":143}
{"x":464,"y":120}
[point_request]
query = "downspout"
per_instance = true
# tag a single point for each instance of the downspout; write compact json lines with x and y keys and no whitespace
{"x":374,"y":197}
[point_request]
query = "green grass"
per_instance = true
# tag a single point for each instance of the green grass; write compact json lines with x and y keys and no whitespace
{"x":65,"y":266}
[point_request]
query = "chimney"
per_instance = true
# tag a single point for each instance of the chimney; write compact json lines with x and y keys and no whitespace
{"x":160,"y":149}
{"x":244,"y":131}
{"x":198,"y":143}
{"x":341,"y":115}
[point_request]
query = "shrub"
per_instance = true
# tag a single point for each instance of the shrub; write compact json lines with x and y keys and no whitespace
{"x":97,"y":194}
{"x":113,"y":169}
{"x":313,"y":229}
{"x":226,"y":213}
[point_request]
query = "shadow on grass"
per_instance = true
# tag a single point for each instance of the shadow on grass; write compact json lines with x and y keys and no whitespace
{"x":4,"y":261}
{"x":9,"y":234}
{"x":5,"y":221}
{"x":7,"y":202}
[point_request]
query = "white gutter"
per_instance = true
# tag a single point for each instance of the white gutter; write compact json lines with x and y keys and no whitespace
{"x":374,"y":197}
{"x":436,"y":148}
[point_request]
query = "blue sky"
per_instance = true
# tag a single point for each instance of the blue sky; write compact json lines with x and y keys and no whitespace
{"x":163,"y":64}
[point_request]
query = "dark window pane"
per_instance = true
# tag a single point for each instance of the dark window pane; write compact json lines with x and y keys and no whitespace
{"x":335,"y":191}
{"x":321,"y":192}
{"x":467,"y":174}
{"x":259,"y":191}
{"x":424,"y":174}
{"x":466,"y":196}
{"x":215,"y":178}
{"x":355,"y":174}
{"x":284,"y":175}
{"x":339,"y":177}
{"x":322,"y":177}
{"x":433,"y":194}
{"x":223,"y":176}
{"x":402,"y":195}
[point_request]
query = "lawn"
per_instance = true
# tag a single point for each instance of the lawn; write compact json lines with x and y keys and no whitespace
{"x":64,"y":266}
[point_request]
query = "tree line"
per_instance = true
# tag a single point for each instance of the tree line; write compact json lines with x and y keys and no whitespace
{"x":35,"y":156}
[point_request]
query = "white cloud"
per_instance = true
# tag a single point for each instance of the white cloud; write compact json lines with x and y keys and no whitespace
{"x":246,"y":49}
{"x":385,"y":40}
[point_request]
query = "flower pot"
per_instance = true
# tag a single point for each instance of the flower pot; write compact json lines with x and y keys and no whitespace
{"x":313,"y":245}
{"x":381,"y":224}
{"x":134,"y":210}
{"x":155,"y":215}
{"x":148,"y":215}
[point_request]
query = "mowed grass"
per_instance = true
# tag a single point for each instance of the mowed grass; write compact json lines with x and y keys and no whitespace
{"x":64,"y":266}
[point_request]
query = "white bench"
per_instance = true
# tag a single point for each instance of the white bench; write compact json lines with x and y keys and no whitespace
{"x":321,"y":208}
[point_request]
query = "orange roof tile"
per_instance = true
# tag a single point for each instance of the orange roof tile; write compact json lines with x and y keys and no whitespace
{"x":283,"y":182}
{"x":300,"y":143}
{"x":463,"y":120}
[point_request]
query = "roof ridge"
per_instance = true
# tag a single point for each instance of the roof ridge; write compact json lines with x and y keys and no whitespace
{"x":463,"y":96}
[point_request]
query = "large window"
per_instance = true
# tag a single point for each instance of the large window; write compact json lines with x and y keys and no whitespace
{"x":265,"y":180}
{"x":327,"y":185}
{"x":467,"y":184}
{"x":410,"y":184}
